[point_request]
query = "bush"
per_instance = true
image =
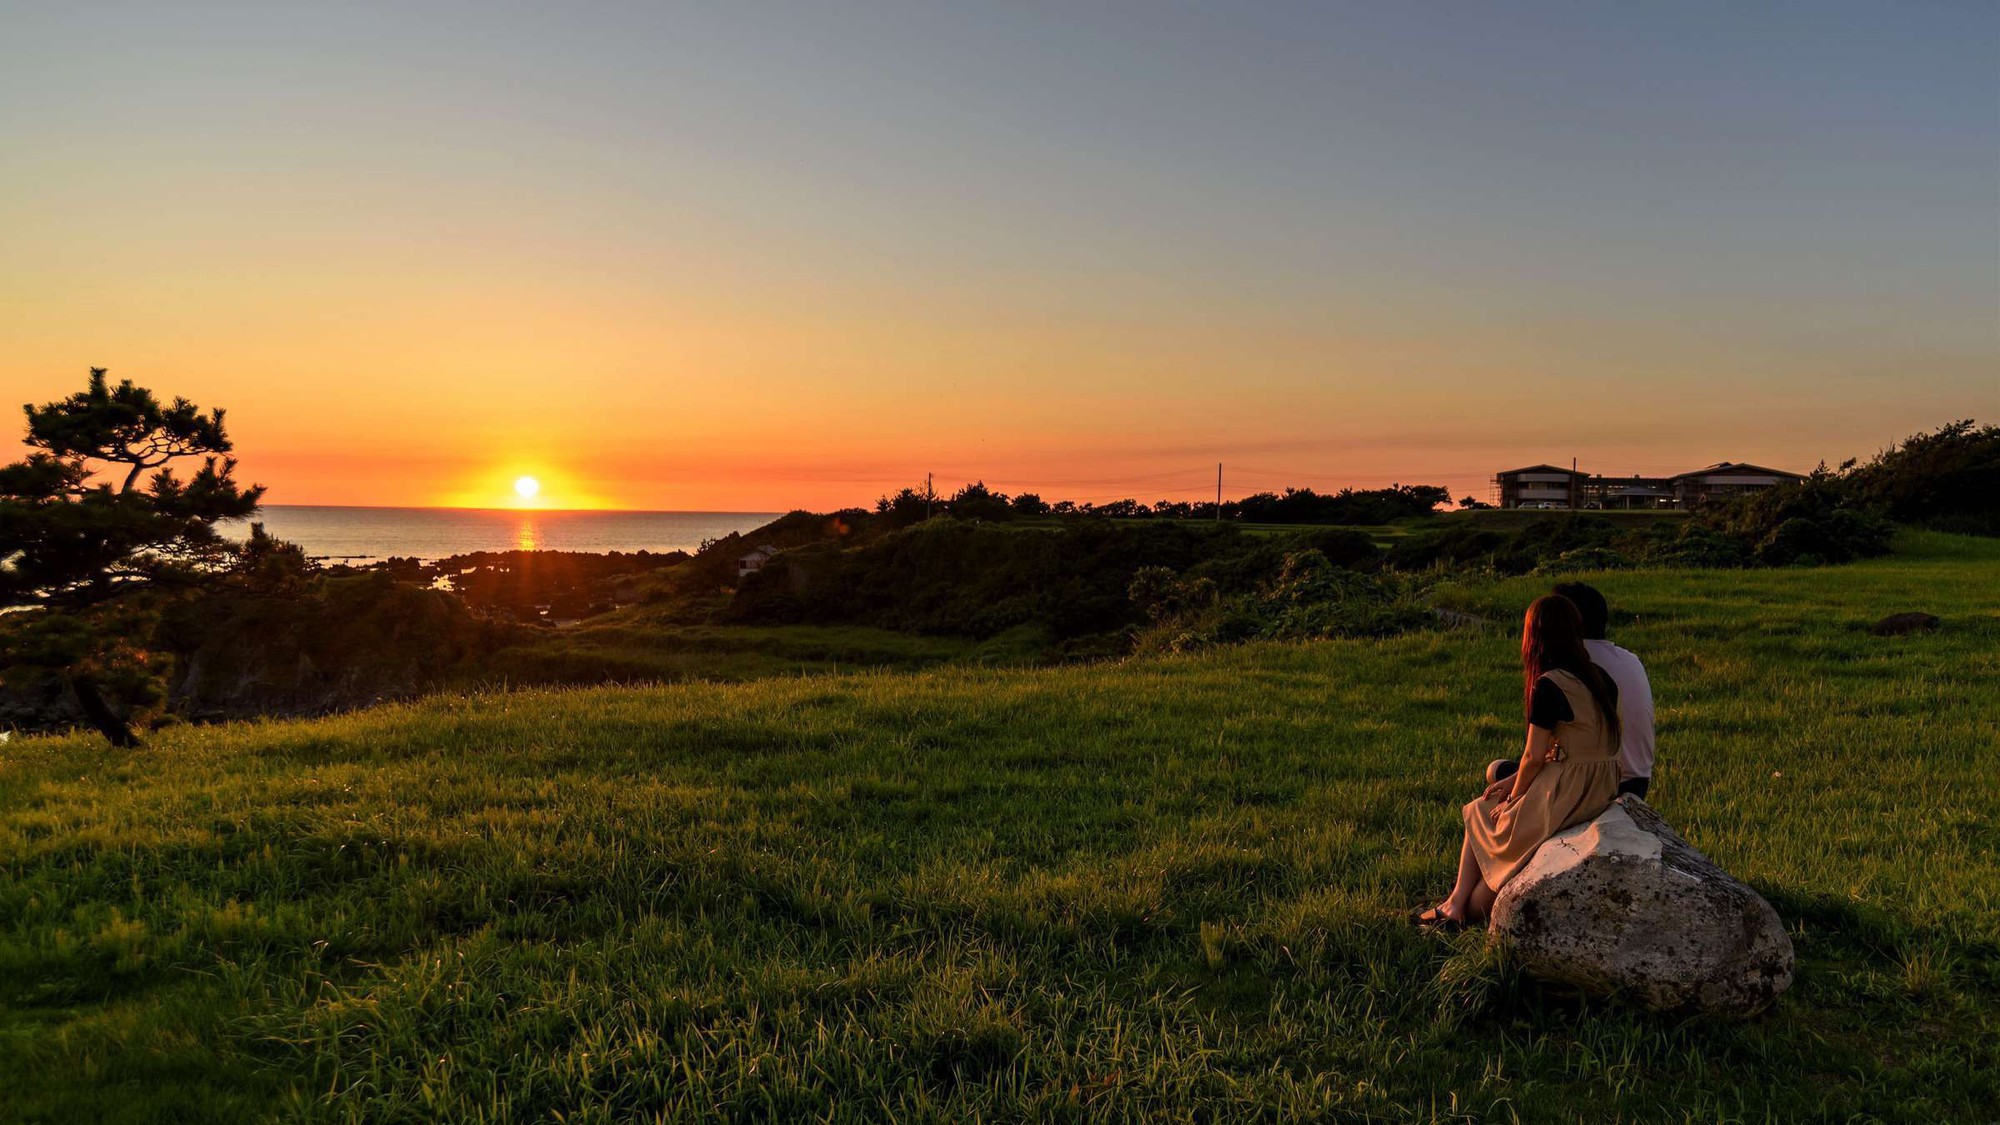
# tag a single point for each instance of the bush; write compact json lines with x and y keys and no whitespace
{"x":979,"y":580}
{"x":327,"y":644}
{"x":1947,"y":479}
{"x":1842,"y":535}
{"x":1584,"y":558}
{"x":1466,"y":545}
{"x":1314,"y":598}
{"x":1342,"y":546}
{"x":1310,"y":598}
{"x":1696,"y":545}
{"x":1818,"y":520}
{"x":1162,"y":595}
{"x":1460,"y":544}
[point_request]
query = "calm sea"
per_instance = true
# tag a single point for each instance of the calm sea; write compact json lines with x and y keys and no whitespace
{"x":366,"y":534}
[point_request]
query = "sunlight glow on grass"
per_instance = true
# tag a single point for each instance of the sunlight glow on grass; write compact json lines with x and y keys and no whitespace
{"x":937,"y":889}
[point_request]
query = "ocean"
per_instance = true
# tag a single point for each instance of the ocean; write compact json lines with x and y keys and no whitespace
{"x":361,"y":535}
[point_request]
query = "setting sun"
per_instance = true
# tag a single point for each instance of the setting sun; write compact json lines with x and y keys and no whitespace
{"x":585,"y":504}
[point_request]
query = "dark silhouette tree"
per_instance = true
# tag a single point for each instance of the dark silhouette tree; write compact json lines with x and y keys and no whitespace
{"x":1948,"y":478}
{"x":84,"y":555}
{"x":906,"y":507}
{"x":1121,"y":509}
{"x":1348,"y":506}
{"x":977,"y":502}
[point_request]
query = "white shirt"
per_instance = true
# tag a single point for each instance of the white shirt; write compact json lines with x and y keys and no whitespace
{"x":1635,"y":706}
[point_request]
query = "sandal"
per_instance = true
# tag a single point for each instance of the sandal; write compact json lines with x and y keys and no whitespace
{"x":1436,"y":921}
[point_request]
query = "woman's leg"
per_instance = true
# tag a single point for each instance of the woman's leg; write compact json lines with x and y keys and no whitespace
{"x":1459,"y":904}
{"x":1480,"y":903}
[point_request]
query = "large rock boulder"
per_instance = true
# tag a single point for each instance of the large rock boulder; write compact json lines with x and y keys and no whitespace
{"x":1623,"y":906}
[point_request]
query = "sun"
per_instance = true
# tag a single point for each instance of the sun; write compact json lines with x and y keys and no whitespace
{"x":527,"y":488}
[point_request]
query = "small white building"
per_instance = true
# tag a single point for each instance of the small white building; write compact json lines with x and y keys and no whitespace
{"x":754,"y":561}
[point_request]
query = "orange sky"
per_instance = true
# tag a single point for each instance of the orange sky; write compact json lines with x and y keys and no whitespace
{"x":435,"y":425}
{"x":721,"y":261}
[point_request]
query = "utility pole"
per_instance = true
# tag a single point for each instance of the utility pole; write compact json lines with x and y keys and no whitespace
{"x":1218,"y":492}
{"x":930,"y":494}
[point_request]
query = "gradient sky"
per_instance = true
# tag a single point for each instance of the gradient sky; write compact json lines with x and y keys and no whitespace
{"x":758,"y":256}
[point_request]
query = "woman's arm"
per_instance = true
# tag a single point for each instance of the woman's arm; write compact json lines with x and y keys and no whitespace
{"x":1540,"y":745}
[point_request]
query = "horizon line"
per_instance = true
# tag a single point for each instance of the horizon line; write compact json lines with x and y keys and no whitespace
{"x":535,"y":511}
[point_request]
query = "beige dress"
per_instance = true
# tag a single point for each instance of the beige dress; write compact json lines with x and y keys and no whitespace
{"x":1575,"y":787}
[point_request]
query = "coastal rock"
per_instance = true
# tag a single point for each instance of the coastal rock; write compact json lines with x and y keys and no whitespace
{"x":1621,"y":905}
{"x":1898,"y":624}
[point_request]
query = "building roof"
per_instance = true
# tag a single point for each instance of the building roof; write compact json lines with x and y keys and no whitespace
{"x":1539,"y":469}
{"x":1737,"y":467}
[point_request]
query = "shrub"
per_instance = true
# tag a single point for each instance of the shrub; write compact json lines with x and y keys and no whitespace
{"x":1161,"y":594}
{"x":1816,"y":521}
{"x":1314,"y":598}
{"x":1460,"y":544}
{"x":1342,"y":546}
{"x":1310,"y":598}
{"x":1696,"y":545}
{"x":1948,"y":478}
{"x":1584,"y":558}
{"x":978,"y":580}
{"x":1465,"y":545}
{"x":1841,"y":535}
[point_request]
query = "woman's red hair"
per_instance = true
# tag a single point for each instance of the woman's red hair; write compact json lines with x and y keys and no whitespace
{"x":1551,"y":639}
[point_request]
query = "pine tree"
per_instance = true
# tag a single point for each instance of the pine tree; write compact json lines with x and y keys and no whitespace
{"x":88,"y":539}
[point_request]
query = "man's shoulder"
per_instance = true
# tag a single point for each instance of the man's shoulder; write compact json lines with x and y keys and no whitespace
{"x":1604,"y":652}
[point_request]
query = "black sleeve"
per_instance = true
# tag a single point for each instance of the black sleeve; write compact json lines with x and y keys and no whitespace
{"x":1550,"y":705}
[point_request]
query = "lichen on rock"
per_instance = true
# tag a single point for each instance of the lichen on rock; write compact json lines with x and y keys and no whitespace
{"x":1622,"y":905}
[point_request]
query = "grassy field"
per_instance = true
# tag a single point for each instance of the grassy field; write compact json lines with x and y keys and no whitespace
{"x":1384,"y":534}
{"x":1164,"y":890}
{"x":628,"y":648}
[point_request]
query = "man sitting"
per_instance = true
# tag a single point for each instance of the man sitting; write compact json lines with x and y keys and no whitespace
{"x":1635,"y":694}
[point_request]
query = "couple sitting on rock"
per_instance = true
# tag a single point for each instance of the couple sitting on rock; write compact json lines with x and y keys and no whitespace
{"x":1590,"y":739}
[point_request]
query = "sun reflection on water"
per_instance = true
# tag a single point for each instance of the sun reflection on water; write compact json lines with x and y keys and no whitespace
{"x":527,"y":536}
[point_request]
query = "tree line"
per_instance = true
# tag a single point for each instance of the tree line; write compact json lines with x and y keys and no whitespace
{"x":1348,"y":507}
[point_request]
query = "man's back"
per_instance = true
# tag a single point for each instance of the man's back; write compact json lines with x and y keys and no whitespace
{"x":1635,"y":706}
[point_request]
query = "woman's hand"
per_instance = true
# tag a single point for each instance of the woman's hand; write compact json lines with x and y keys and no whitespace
{"x":1500,"y":790}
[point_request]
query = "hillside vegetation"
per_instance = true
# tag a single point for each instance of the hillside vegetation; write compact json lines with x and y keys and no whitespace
{"x":1167,"y":889}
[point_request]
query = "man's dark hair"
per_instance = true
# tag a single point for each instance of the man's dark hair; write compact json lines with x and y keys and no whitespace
{"x":1590,"y":603}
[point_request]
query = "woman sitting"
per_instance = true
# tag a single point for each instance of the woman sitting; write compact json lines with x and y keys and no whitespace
{"x":1568,"y":774}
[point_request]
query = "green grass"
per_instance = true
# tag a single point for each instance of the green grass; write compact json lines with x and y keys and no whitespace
{"x":628,"y":648}
{"x":1384,"y":534}
{"x":1161,"y":890}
